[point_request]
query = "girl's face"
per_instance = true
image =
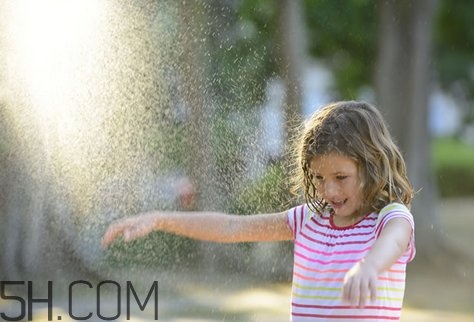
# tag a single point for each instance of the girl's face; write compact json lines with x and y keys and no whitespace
{"x":338,"y":182}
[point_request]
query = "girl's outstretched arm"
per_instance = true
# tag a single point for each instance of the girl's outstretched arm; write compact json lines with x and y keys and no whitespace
{"x":362,"y":278}
{"x":209,"y":226}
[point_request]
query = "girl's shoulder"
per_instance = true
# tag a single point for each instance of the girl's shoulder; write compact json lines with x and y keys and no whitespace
{"x":394,"y":210}
{"x":398,"y":210}
{"x":394,"y":206}
{"x":298,"y":216}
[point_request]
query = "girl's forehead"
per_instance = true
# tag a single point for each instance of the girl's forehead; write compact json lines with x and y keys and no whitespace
{"x":332,"y":162}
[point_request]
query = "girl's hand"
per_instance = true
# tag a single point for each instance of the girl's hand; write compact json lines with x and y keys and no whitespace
{"x":358,"y":283}
{"x":130,"y":228}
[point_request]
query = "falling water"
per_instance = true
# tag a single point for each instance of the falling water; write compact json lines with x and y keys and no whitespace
{"x":106,"y":111}
{"x":88,"y":87}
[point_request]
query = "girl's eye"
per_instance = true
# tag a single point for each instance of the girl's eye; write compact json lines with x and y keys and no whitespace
{"x":319,"y":177}
{"x":341,"y":177}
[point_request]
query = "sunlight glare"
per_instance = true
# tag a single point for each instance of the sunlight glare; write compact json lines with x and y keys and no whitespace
{"x":51,"y":41}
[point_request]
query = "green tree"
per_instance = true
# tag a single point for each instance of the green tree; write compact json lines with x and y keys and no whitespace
{"x":403,"y":81}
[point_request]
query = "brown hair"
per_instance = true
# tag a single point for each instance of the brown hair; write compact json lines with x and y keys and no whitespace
{"x":357,"y":131}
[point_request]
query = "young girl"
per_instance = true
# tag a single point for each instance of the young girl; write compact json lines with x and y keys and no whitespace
{"x":354,"y":236}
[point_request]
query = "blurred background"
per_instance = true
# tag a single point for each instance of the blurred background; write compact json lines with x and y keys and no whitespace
{"x":111,"y":108}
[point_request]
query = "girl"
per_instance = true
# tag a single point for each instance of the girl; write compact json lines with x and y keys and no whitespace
{"x":354,"y":236}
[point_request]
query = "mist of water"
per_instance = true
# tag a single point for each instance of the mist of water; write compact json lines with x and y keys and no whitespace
{"x":87,"y":87}
{"x":106,"y":109}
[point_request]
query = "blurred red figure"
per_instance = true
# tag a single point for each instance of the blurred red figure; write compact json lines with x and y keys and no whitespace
{"x":186,"y":194}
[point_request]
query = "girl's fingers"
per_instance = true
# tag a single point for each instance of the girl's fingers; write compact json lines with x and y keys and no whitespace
{"x":346,"y":290}
{"x":373,"y":291}
{"x":355,"y":292}
{"x":136,"y":232}
{"x":110,"y":235}
{"x":114,"y":230}
{"x":131,"y":234}
{"x":364,"y":292}
{"x":127,"y":235}
{"x":130,"y":228}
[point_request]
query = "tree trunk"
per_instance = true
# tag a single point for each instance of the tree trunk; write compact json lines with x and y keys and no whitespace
{"x":290,"y":38}
{"x":403,"y":79}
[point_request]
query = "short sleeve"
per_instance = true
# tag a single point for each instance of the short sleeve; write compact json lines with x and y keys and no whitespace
{"x":396,"y":210}
{"x":296,"y":219}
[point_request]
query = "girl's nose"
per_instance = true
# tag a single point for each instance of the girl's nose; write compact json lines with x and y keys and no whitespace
{"x":330,"y":189}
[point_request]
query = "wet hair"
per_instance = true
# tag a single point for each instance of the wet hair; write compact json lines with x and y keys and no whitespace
{"x":357,"y":131}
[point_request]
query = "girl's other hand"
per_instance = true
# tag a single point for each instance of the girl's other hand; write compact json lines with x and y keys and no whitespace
{"x":358,"y":283}
{"x":130,"y":228}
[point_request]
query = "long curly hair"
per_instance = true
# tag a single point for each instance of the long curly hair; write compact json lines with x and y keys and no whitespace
{"x":357,"y":131}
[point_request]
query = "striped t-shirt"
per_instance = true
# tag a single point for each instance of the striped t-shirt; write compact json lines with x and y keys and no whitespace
{"x":324,"y":253}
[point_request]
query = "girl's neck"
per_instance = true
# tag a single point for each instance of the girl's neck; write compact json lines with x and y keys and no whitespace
{"x":352,"y":219}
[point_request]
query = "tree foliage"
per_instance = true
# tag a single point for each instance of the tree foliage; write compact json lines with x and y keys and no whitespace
{"x":343,"y":34}
{"x":454,"y":45}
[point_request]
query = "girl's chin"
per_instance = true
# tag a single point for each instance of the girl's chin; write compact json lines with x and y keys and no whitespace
{"x":345,"y":212}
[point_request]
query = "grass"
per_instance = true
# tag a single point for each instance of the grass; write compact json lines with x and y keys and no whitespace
{"x":453,"y":163}
{"x":453,"y":153}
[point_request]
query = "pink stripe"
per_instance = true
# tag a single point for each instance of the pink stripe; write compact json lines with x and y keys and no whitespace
{"x":402,"y":262}
{"x":347,"y":316}
{"x":367,"y":218}
{"x":326,"y":263}
{"x":371,"y":218}
{"x":388,"y":308}
{"x":346,"y":243}
{"x":295,"y":224}
{"x":412,"y":249}
{"x":319,"y":279}
{"x":391,"y":279}
{"x":336,"y":236}
{"x":321,"y":271}
{"x":288,"y":223}
{"x":302,"y":215}
{"x":355,"y":227}
{"x":334,"y":253}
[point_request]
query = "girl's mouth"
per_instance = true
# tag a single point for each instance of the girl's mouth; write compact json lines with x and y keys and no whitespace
{"x":338,"y":204}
